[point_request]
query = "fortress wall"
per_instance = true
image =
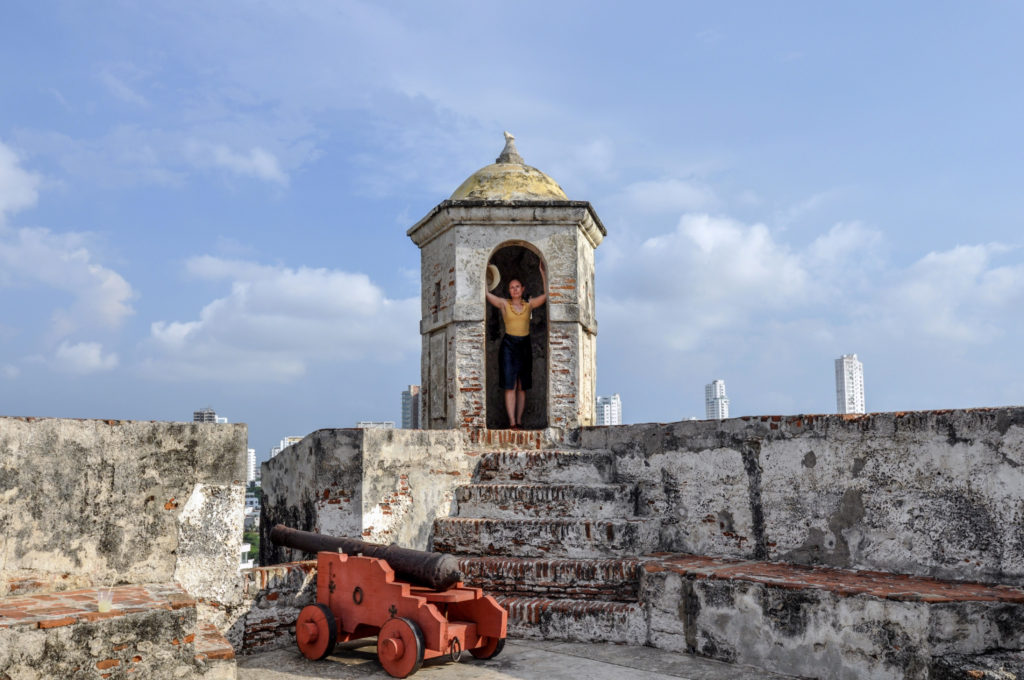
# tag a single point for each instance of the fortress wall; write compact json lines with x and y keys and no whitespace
{"x":386,"y":486}
{"x":313,"y":485}
{"x":936,"y":493}
{"x":90,"y":502}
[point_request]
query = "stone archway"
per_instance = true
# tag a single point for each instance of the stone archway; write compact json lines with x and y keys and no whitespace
{"x":518,"y":260}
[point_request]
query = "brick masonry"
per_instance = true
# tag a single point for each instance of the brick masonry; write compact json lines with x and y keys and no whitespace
{"x":150,"y":631}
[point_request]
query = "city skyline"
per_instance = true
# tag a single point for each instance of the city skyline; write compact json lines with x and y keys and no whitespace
{"x":208,"y":202}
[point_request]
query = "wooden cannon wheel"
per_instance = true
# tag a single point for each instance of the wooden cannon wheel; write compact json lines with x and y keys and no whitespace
{"x":400,"y":647}
{"x":490,"y":649}
{"x":316,"y":631}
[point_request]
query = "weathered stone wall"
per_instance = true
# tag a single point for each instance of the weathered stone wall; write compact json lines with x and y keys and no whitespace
{"x":386,"y":486}
{"x":936,"y":493}
{"x":271,"y":601}
{"x":91,"y":502}
{"x":314,"y":485}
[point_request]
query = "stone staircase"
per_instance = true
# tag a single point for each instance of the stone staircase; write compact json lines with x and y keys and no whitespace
{"x":564,"y":546}
{"x":556,"y":539}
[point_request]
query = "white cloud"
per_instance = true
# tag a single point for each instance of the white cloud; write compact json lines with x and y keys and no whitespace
{"x":711,"y":273}
{"x":83,"y":358}
{"x":119,"y":88}
{"x":258,"y":162}
{"x":715,"y":279}
{"x":277,"y":321}
{"x":9,"y":371}
{"x":958,"y":295}
{"x":18,"y":187}
{"x":31,"y":257}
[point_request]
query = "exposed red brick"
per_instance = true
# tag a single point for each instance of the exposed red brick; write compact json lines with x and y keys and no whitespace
{"x":107,"y":663}
{"x":57,"y":623}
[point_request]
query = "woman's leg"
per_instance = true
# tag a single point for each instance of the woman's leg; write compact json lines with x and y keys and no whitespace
{"x":510,"y":407}
{"x":520,"y":402}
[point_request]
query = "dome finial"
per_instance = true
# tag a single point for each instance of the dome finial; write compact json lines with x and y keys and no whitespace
{"x":509,"y":154}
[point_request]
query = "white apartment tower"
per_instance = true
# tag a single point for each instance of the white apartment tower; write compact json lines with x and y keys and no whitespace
{"x":411,"y":408}
{"x":850,"y":385}
{"x":609,"y":410}
{"x":716,"y":404}
{"x":250,"y":467}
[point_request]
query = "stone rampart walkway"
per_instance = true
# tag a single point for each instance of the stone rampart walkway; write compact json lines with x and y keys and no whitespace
{"x":520,"y":660}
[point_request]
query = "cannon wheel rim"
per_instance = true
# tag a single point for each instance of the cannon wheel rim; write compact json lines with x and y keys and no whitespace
{"x":413,"y":645}
{"x":489,"y":649}
{"x":320,"y":645}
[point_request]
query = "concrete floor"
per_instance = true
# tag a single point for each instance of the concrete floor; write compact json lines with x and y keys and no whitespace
{"x":520,"y":660}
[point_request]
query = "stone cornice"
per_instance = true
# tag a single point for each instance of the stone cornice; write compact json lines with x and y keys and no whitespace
{"x":482,"y":213}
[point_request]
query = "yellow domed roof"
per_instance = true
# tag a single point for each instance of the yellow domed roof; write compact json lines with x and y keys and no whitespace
{"x":509,"y":179}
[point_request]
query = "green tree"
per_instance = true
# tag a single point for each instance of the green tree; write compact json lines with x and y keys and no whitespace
{"x":253,"y":539}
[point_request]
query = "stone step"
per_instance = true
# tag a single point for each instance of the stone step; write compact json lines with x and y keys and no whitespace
{"x":611,"y":580}
{"x":548,"y":467}
{"x":534,"y":537}
{"x":594,"y":501}
{"x":822,"y":622}
{"x":214,"y":654}
{"x":576,"y":620}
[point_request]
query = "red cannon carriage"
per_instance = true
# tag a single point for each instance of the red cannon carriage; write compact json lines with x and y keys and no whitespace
{"x":358,"y":597}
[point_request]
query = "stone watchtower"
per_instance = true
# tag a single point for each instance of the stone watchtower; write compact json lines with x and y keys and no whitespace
{"x":513,"y":216}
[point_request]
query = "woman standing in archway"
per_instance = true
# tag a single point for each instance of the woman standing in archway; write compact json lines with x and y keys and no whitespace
{"x":515,"y":363}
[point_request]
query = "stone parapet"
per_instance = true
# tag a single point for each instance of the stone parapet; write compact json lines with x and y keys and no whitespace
{"x":150,"y":631}
{"x":932,"y":493}
{"x":93,"y":502}
{"x":822,"y":622}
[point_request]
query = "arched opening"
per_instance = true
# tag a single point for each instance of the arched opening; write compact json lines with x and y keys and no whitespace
{"x":518,"y":260}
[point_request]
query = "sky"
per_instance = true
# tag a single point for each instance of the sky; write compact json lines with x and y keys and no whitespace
{"x":205,"y":204}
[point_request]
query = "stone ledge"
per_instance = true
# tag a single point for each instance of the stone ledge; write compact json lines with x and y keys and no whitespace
{"x":149,"y":633}
{"x":53,"y":610}
{"x":211,"y":645}
{"x":843,"y":582}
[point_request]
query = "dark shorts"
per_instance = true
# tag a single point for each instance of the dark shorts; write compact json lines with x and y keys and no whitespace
{"x":515,"y":360}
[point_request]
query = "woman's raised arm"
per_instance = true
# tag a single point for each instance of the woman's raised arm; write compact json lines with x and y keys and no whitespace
{"x":498,"y":302}
{"x":538,"y":300}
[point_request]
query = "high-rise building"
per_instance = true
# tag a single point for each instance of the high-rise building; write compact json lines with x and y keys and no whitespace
{"x":284,"y":444}
{"x":716,"y":404}
{"x":411,"y":408}
{"x":609,"y":410}
{"x":850,"y":385}
{"x":250,"y":468}
{"x":207,"y":415}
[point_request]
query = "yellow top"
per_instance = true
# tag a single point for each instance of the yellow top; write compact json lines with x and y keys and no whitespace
{"x":516,"y":323}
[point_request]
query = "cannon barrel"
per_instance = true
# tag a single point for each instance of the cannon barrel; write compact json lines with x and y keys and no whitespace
{"x":435,"y":570}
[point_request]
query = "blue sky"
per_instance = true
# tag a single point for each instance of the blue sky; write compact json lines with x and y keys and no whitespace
{"x":206,"y":203}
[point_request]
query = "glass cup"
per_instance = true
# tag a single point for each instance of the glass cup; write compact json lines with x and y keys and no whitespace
{"x":104,"y":599}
